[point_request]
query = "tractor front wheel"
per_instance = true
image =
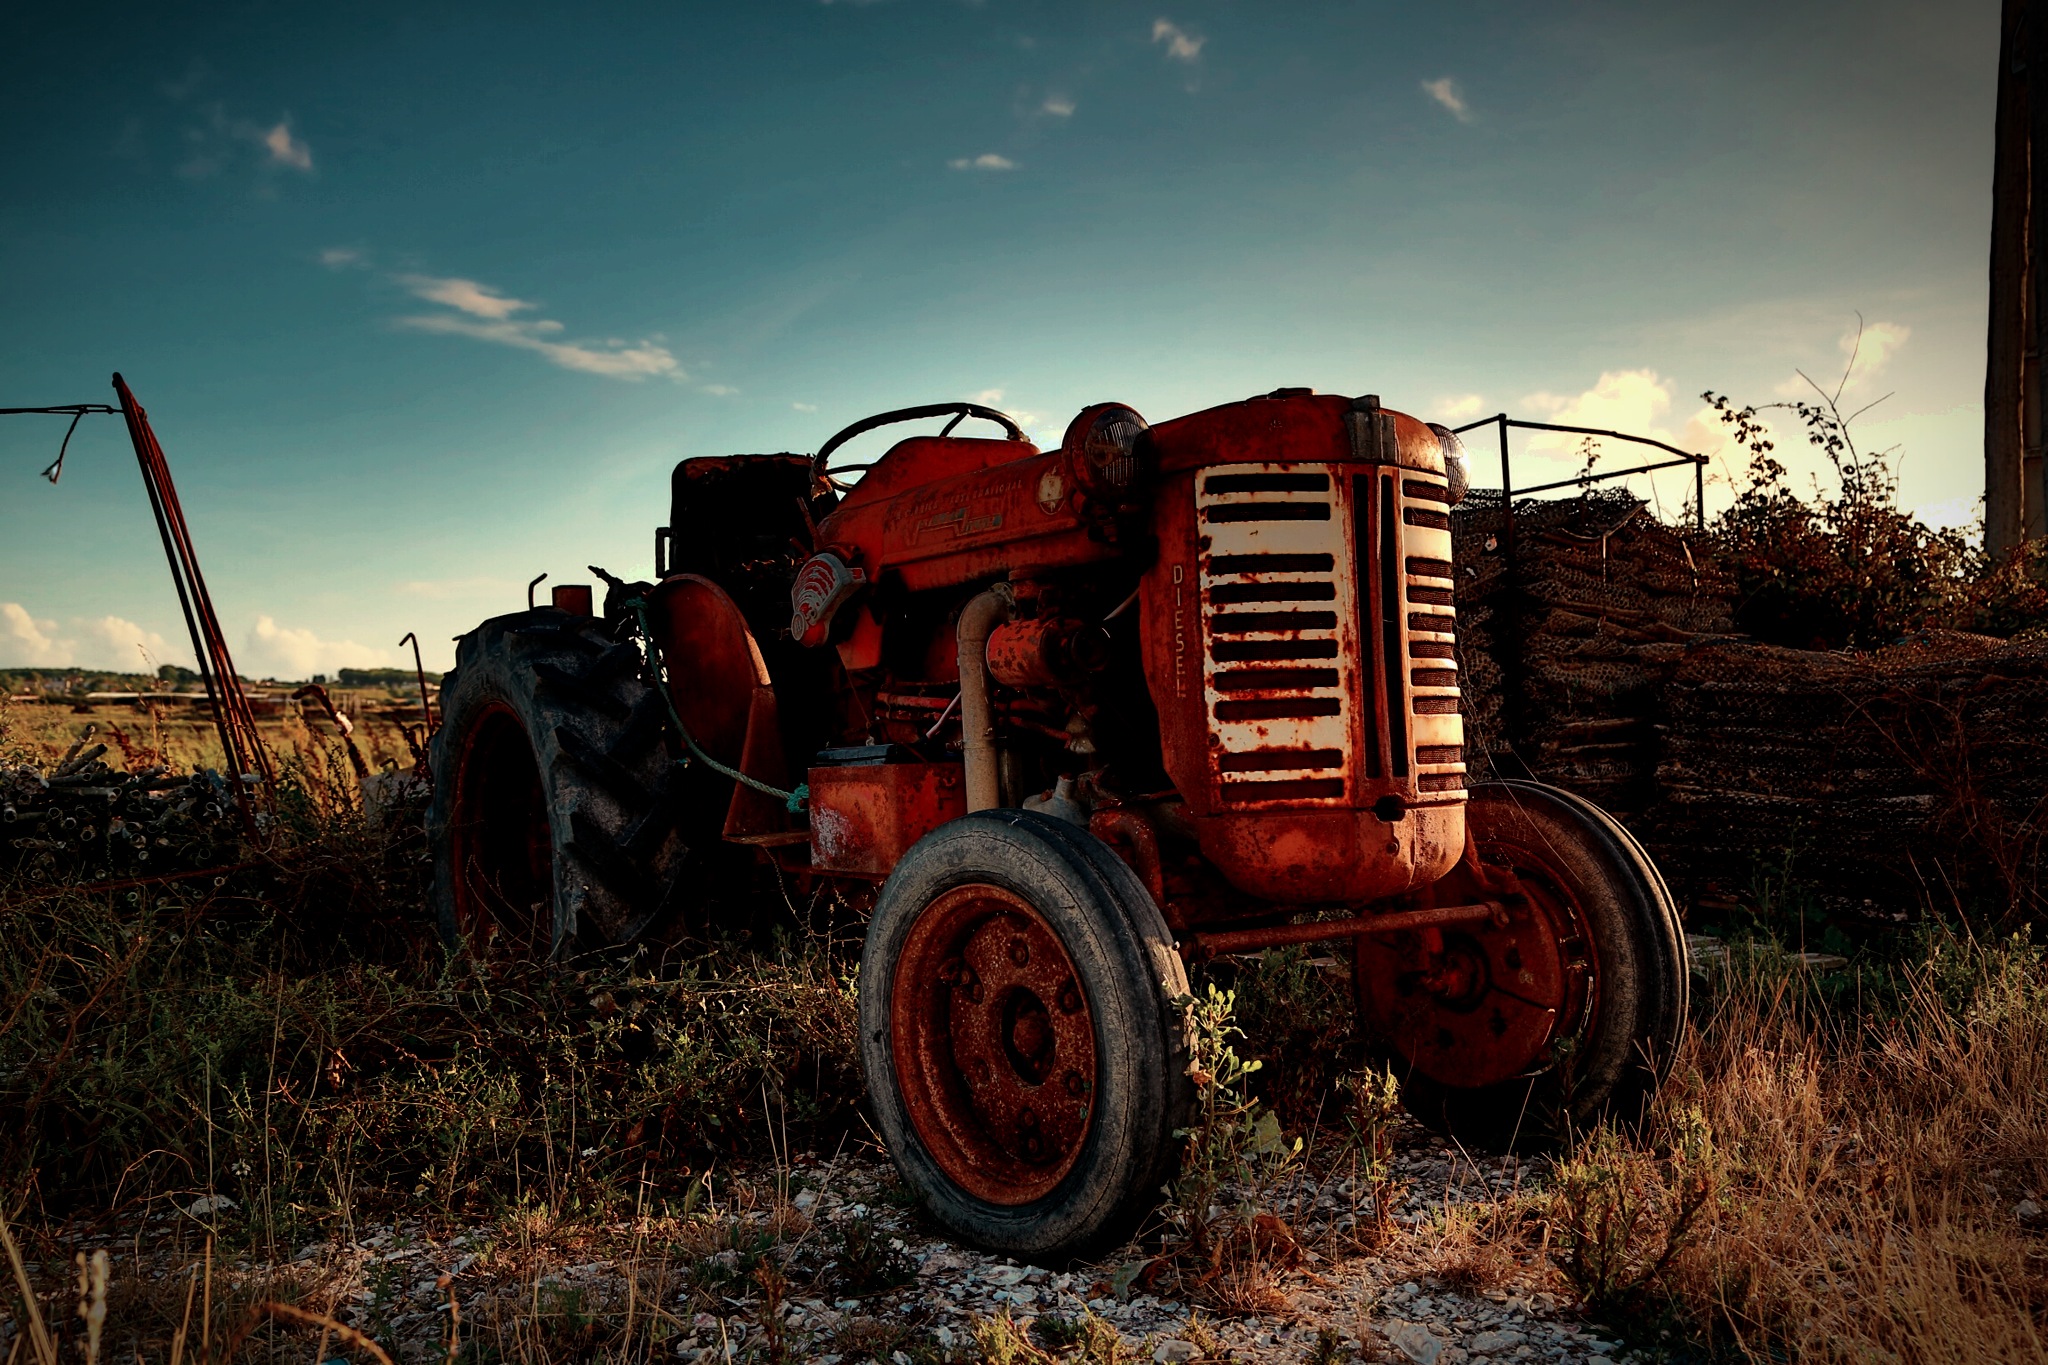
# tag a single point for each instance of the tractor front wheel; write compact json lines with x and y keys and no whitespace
{"x":1566,"y":1008}
{"x":1025,"y":1059}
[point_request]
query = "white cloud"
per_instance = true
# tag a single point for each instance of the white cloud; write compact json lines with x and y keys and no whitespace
{"x":987,"y":161}
{"x":805,"y":407}
{"x":340,"y":257}
{"x":1879,"y":343}
{"x":26,"y":642}
{"x":1870,"y":345}
{"x":271,"y":650}
{"x":1622,"y":400}
{"x":124,"y":645}
{"x":107,"y":642}
{"x":1445,"y":91}
{"x":720,"y":390}
{"x":613,"y":358}
{"x":1451,"y":409}
{"x":1180,"y":44}
{"x":1059,"y":106}
{"x":286,"y":150}
{"x":478,"y":300}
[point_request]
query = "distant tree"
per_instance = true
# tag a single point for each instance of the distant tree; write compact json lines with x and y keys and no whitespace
{"x":175,"y":675}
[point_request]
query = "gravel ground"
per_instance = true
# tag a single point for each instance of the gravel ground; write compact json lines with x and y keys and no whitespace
{"x":1337,"y":1303}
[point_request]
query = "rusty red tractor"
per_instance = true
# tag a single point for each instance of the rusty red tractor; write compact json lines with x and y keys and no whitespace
{"x":1068,"y":721}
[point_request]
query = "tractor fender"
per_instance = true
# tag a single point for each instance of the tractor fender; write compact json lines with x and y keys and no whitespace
{"x":722,"y":692}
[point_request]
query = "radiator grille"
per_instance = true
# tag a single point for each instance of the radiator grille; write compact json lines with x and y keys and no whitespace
{"x":1278,"y":645}
{"x":1329,"y":655}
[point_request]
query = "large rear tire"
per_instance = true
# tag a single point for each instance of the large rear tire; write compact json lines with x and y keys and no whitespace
{"x":1025,"y":1060}
{"x":1519,"y":1034}
{"x":554,"y":821}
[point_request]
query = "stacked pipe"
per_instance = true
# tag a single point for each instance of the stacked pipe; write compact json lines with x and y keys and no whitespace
{"x":84,"y":816}
{"x":1564,"y":657}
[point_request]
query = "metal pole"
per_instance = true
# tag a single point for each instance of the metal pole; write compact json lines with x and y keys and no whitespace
{"x":1699,"y":494}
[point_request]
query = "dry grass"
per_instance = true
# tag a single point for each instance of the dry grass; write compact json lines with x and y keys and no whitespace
{"x":1822,"y":1185}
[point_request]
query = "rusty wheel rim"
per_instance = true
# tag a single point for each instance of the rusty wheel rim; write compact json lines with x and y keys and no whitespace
{"x":499,"y":846}
{"x":1488,"y":1002}
{"x":994,"y":1044}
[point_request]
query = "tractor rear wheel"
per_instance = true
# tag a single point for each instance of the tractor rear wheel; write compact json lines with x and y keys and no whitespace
{"x":1025,"y":1059}
{"x":555,"y":810}
{"x":1568,"y":1010}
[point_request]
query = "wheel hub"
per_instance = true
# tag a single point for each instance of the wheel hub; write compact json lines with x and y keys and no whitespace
{"x":994,"y":1044}
{"x":1485,"y":1002}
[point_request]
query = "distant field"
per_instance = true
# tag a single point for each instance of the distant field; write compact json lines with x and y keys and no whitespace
{"x":179,"y":734}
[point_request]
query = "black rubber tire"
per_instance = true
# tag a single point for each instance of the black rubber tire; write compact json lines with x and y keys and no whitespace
{"x":1621,"y":1058}
{"x":609,"y":791}
{"x":1123,"y":952}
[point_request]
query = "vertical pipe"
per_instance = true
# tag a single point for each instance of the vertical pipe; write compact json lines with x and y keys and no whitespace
{"x":1699,"y":494}
{"x":977,"y":715}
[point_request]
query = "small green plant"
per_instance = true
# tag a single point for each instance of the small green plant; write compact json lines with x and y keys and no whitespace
{"x":1235,"y":1150}
{"x":1005,"y":1341}
{"x":1327,"y":1348}
{"x":1372,"y":1111}
{"x":868,"y":1259}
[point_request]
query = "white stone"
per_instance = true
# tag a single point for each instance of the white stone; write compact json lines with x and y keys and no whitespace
{"x":1486,"y":1343}
{"x":1173,"y":1351}
{"x":2026,"y":1209}
{"x":1415,"y":1341}
{"x":207,"y":1204}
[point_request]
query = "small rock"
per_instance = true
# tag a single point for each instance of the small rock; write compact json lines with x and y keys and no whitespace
{"x":2025,"y":1210}
{"x":1486,"y":1343}
{"x":1173,"y":1351}
{"x":209,"y":1204}
{"x":1415,"y":1341}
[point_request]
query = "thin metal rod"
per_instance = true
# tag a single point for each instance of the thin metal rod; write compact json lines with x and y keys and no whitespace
{"x":421,"y":673}
{"x":1612,"y":474}
{"x":1394,"y":922}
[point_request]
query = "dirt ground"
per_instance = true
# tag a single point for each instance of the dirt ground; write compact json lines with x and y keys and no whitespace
{"x":865,"y":1277}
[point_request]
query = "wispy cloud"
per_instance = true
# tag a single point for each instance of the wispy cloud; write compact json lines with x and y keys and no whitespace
{"x":1181,"y":45}
{"x":211,"y":146}
{"x":485,"y":313}
{"x":478,"y":300}
{"x":286,"y":150}
{"x":805,"y":407}
{"x":987,"y":161}
{"x":1445,"y":91}
{"x":341,"y":257}
{"x":720,"y":390}
{"x":1059,"y":106}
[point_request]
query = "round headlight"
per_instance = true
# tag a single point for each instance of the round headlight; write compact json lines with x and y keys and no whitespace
{"x":1104,"y":446}
{"x":1456,"y":469}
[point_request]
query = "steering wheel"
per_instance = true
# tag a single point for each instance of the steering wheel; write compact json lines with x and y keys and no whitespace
{"x":961,"y":412}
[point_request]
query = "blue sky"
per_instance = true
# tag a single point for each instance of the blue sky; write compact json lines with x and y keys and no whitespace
{"x":423,"y":304}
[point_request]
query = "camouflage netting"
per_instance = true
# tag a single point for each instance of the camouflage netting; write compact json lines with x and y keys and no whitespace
{"x":1898,"y":777}
{"x":1608,"y":600}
